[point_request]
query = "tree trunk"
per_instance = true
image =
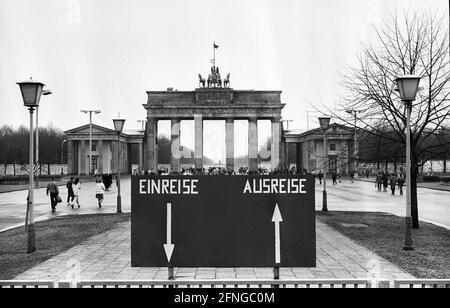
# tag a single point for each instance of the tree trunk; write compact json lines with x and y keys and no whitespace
{"x":14,"y":168}
{"x":48,"y":170}
{"x":445,"y":166}
{"x":414,"y":202}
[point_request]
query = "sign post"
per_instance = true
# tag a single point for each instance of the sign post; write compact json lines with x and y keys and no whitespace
{"x":169,"y":247}
{"x":277,"y":219}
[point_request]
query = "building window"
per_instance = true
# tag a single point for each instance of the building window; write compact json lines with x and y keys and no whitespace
{"x":94,"y":146}
{"x":333,"y":164}
{"x":332,"y":147}
{"x":94,"y":163}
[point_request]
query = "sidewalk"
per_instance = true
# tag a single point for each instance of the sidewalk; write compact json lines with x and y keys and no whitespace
{"x":108,"y":257}
{"x":434,"y":186}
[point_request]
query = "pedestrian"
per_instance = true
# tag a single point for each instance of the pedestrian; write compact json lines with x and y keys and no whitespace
{"x":393,"y":183}
{"x":379,"y":181}
{"x":320,"y":176}
{"x":340,"y":175}
{"x":352,"y":176}
{"x":99,"y":192}
{"x":385,"y":179}
{"x":53,"y":191}
{"x":70,"y":194}
{"x":76,"y":191}
{"x":334,"y":177}
{"x":401,"y":182}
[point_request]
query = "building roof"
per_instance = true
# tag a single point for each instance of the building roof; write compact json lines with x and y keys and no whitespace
{"x":103,"y":130}
{"x":301,"y":133}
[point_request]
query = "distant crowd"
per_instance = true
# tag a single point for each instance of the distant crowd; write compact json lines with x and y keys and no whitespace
{"x":221,"y":171}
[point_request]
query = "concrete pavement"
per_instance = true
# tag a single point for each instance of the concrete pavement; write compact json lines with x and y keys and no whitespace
{"x":108,"y":257}
{"x":13,"y":204}
{"x":434,"y":205}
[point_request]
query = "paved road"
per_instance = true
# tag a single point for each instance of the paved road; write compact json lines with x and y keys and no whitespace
{"x":434,"y":206}
{"x":13,"y":204}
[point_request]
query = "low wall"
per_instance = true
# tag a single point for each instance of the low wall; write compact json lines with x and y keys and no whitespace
{"x":55,"y":169}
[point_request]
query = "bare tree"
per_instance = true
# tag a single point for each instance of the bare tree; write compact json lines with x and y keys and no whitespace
{"x":415,"y":44}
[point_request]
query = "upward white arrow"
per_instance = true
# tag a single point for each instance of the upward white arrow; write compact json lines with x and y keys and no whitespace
{"x":277,"y":219}
{"x":169,"y":247}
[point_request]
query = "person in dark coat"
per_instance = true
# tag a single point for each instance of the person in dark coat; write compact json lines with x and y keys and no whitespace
{"x":393,"y":183}
{"x":320,"y":175}
{"x":401,"y":182}
{"x":379,"y":181}
{"x":385,"y":178}
{"x":53,"y":191}
{"x":70,"y":193}
{"x":334,"y":177}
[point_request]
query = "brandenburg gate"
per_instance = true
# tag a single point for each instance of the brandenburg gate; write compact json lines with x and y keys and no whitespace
{"x":213,"y":100}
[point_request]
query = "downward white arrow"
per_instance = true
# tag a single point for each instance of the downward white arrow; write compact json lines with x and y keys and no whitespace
{"x":277,"y":219}
{"x":169,"y":247}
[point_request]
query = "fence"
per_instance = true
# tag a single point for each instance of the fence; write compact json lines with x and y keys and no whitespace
{"x":422,"y":284}
{"x":230,"y":284}
{"x":13,"y":284}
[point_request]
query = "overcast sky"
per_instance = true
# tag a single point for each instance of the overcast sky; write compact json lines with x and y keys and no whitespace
{"x":105,"y":54}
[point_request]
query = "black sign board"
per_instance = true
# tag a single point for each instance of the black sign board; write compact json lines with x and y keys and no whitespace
{"x":223,"y":221}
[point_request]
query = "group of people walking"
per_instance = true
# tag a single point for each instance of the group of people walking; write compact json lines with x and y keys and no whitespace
{"x":73,"y":192}
{"x":334,"y":176}
{"x":73,"y":187}
{"x":384,"y":180}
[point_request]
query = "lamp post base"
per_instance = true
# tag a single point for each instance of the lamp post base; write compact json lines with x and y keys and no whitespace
{"x":119,"y":204}
{"x":325,"y":202}
{"x":31,"y":239}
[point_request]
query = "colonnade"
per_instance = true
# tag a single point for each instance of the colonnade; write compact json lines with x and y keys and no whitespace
{"x":151,"y":151}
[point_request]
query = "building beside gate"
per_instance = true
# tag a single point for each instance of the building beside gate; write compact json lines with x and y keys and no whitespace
{"x":104,"y":150}
{"x":305,"y":149}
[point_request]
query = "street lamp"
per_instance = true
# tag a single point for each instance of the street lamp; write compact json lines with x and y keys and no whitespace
{"x":408,"y":87}
{"x":354,"y":113}
{"x":118,"y":127}
{"x":62,"y":151}
{"x":324,"y":124}
{"x":31,"y":93}
{"x":90,"y":112}
{"x":45,"y":93}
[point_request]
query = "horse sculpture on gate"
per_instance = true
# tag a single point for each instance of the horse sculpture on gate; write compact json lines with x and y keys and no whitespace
{"x":226,"y":82}
{"x":202,"y":81}
{"x":214,"y":79}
